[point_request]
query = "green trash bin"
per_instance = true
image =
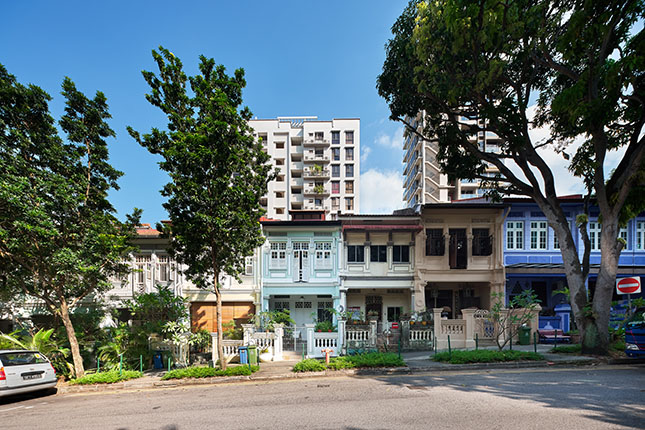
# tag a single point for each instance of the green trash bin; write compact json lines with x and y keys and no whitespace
{"x":525,"y":335}
{"x":253,"y":355}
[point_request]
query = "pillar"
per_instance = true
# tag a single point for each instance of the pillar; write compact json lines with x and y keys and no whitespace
{"x":373,"y":332}
{"x":442,"y":341}
{"x":419,"y":296}
{"x":278,"y":329}
{"x":249,"y":329}
{"x":469,"y":318}
{"x":405,"y":333}
{"x":341,"y":333}
{"x":215,"y":350}
{"x":310,"y":339}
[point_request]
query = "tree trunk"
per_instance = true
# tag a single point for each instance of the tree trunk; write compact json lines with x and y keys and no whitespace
{"x":220,"y":335}
{"x":79,"y":370}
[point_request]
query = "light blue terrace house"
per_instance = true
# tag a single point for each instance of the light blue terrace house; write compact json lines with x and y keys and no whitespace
{"x":300,"y":261}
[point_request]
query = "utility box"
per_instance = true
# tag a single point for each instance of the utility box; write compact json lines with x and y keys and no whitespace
{"x":253,"y":355}
{"x":244,"y":354}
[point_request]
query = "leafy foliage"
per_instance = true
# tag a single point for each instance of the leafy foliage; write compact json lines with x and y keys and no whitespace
{"x":156,"y":308}
{"x":485,"y":356}
{"x":208,"y":372}
{"x":59,"y":239}
{"x":367,"y":360}
{"x":106,"y":377}
{"x":464,"y":68}
{"x":218,"y":170}
{"x":43,"y":342}
{"x":507,"y":321}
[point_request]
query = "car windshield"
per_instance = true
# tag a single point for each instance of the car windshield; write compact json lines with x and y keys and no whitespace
{"x":21,"y":358}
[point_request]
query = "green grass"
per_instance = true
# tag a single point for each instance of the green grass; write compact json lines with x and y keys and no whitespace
{"x":567,"y":349}
{"x":109,"y":377}
{"x":368,"y":360}
{"x":207,"y":372}
{"x":484,"y":356}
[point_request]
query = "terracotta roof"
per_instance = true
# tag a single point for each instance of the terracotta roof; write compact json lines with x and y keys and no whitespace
{"x":386,"y":227}
{"x":146,"y":230}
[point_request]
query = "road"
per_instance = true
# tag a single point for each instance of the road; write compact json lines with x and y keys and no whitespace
{"x":577,"y":398}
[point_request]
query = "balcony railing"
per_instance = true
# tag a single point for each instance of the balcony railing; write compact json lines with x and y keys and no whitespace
{"x":310,"y":158}
{"x":316,"y":173}
{"x":318,"y":190}
{"x":315,"y":142}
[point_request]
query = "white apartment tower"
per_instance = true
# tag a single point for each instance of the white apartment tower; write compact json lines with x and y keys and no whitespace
{"x":423,"y":181}
{"x":319,"y":164}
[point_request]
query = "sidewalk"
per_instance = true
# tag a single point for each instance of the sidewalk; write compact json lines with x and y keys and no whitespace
{"x":417,"y":362}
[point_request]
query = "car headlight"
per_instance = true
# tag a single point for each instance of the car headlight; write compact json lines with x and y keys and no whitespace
{"x":631,"y":347}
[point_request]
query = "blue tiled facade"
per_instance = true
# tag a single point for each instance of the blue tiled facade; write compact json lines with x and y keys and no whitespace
{"x":532,"y":257}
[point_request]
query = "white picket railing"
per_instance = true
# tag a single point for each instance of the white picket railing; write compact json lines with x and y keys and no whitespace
{"x":453,"y":327}
{"x":420,"y":335}
{"x":322,"y":341}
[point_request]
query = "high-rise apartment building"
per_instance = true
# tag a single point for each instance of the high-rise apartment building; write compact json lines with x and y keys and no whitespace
{"x":423,"y":181}
{"x":319,"y":164}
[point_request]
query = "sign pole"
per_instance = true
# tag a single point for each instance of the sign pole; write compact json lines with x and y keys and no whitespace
{"x":629,"y":305}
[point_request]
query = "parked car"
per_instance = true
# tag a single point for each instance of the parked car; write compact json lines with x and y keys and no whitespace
{"x":635,"y":334}
{"x":25,"y":371}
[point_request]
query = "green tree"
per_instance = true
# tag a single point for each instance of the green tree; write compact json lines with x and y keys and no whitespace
{"x":59,"y":239}
{"x":218,"y":171}
{"x":483,"y":60}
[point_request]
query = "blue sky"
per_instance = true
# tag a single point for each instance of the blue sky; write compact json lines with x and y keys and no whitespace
{"x":300,"y":58}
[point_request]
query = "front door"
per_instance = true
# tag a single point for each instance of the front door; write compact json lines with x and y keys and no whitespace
{"x":374,"y":304}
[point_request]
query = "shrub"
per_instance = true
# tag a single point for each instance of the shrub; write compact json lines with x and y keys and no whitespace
{"x":106,"y":377}
{"x":484,"y":356}
{"x":325,"y":326}
{"x":368,"y":360}
{"x":207,"y":372}
{"x":567,"y":349}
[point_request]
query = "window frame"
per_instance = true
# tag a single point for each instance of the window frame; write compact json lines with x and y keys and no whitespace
{"x":539,"y":229}
{"x":516,"y":232}
{"x":402,"y":251}
{"x":353,"y":254}
{"x":278,"y":255}
{"x":380,"y":256}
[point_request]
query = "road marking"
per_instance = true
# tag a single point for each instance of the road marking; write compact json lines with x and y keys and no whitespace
{"x":11,"y":409}
{"x":28,"y":407}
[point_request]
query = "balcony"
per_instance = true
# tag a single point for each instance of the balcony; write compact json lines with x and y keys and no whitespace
{"x":312,"y":158}
{"x":318,"y":143}
{"x":318,"y":190}
{"x":312,"y":172}
{"x":314,"y":207}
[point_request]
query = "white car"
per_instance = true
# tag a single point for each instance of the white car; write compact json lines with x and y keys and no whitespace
{"x":24,"y":371}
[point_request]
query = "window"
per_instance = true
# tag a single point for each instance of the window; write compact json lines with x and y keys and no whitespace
{"x":394,"y":313}
{"x":594,"y":235}
{"x":319,"y":152}
{"x":323,"y":255}
{"x":401,"y":254}
{"x":278,"y":257}
{"x":318,"y":202}
{"x":515,"y":235}
{"x":482,"y":243}
{"x":556,"y":242}
{"x":164,"y":268}
{"x":280,"y":178}
{"x":324,"y":313}
{"x":279,"y":145}
{"x":335,"y":203}
{"x":349,"y":203}
{"x":378,"y":253}
{"x":335,"y":137}
{"x":335,"y":154}
{"x":622,"y":233}
{"x":640,"y":235}
{"x":248,"y":266}
{"x":349,"y":137}
{"x":279,"y":161}
{"x":349,"y":187}
{"x":143,"y":268}
{"x":538,"y":234}
{"x":279,"y":194}
{"x":435,"y":244}
{"x":335,"y":187}
{"x":349,"y":170}
{"x":335,"y":171}
{"x":349,"y":154}
{"x":355,"y":254}
{"x":318,"y":135}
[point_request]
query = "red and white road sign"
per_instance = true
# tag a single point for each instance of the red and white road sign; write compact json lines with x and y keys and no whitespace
{"x":628,"y":285}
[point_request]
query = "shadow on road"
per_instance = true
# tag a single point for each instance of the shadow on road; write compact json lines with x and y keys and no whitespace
{"x":604,"y":396}
{"x":9,"y":400}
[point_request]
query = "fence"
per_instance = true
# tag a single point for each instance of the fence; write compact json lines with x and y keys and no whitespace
{"x":271,"y":342}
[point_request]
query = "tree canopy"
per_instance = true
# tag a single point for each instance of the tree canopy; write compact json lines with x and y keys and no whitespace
{"x":218,"y":170}
{"x":471,"y":66}
{"x":59,"y":238}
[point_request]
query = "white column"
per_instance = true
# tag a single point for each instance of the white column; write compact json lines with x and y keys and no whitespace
{"x":341,"y":334}
{"x":310,"y":339}
{"x":277,"y":344}
{"x":440,"y":339}
{"x":373,"y":332}
{"x":249,"y":329}
{"x":469,"y":318}
{"x":214,"y":352}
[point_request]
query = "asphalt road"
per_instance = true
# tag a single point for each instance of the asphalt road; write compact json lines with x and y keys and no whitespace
{"x":579,"y":398}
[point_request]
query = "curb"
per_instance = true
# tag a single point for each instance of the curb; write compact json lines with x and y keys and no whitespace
{"x":70,"y":389}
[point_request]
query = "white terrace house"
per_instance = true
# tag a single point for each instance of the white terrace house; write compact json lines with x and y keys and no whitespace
{"x":377,"y":273}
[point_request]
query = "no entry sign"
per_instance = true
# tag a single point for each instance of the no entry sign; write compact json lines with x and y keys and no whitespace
{"x":628,"y":285}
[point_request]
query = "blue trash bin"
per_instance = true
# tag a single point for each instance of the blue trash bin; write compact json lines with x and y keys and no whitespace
{"x":244,"y":354}
{"x":157,"y":360}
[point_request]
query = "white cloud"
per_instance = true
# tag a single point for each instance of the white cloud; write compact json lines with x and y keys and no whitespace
{"x":381,"y":191}
{"x":366,"y":153}
{"x":394,"y":140}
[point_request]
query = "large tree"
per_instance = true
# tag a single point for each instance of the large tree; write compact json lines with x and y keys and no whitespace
{"x":218,"y":170}
{"x":59,"y":239}
{"x":485,"y":60}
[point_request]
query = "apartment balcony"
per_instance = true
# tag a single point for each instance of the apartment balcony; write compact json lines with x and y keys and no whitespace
{"x":295,"y":166}
{"x":314,"y":207}
{"x":311,"y":172}
{"x":315,"y":143}
{"x":317,"y":191}
{"x":313,"y":158}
